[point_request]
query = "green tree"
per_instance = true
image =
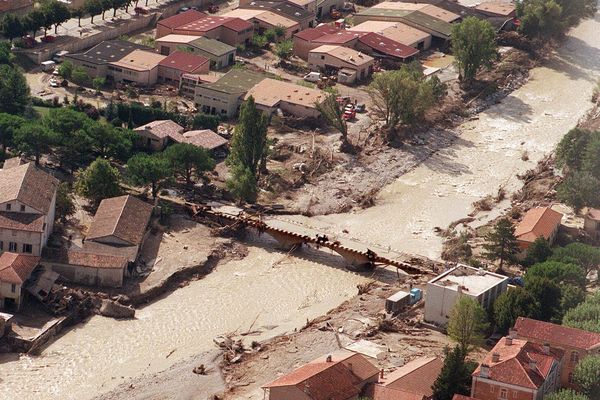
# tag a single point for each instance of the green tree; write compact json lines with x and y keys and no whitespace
{"x":106,"y":5}
{"x":34,"y":139}
{"x":66,"y":69}
{"x":153,"y":170}
{"x":14,"y":91}
{"x":242,"y":184}
{"x":283,"y":49}
{"x":540,"y":18}
{"x":98,"y":181}
{"x":271,"y":35}
{"x":586,"y":315}
{"x":574,"y":10}
{"x":205,"y":121}
{"x":6,"y":55}
{"x":587,"y":376}
{"x":9,"y":124}
{"x":473,"y":45}
{"x":558,"y":272}
{"x":571,"y":148}
{"x":249,"y":141}
{"x":65,"y":202}
{"x":78,"y":13}
{"x":547,"y":294}
{"x":538,"y":252}
{"x":98,"y":82}
{"x":11,"y":27}
{"x":501,"y":243}
{"x":66,"y":121}
{"x":510,"y":305}
{"x":188,"y":160}
{"x":79,"y":76}
{"x":565,"y":394}
{"x":33,"y":21}
{"x":455,"y":376}
{"x":333,"y":112}
{"x":58,"y":12}
{"x":580,"y":189}
{"x":93,"y":8}
{"x":581,"y":254}
{"x":570,"y":297}
{"x":259,"y":41}
{"x":467,"y":323}
{"x":108,"y":141}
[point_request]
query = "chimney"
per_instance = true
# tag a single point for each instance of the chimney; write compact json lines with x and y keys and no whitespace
{"x":546,"y":348}
{"x":508,"y":341}
{"x":328,"y":359}
{"x":381,"y":374}
{"x":495,"y":357}
{"x":512,"y":333}
{"x":484,"y":371}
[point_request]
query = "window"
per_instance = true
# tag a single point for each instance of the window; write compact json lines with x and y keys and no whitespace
{"x":22,"y":208}
{"x":13,"y":288}
{"x":514,"y":393}
{"x":492,"y":388}
{"x":27,"y":248}
{"x":12,"y":246}
{"x":574,"y":357}
{"x":8,"y":207}
{"x":503,"y":393}
{"x":322,"y":57}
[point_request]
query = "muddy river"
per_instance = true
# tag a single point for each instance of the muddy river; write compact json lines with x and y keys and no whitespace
{"x":281,"y":292}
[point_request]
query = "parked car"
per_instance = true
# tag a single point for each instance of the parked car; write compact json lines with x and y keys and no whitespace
{"x":360,"y":108}
{"x":312,"y":77}
{"x":349,"y":114}
{"x":54,"y":83}
{"x":516,"y":280}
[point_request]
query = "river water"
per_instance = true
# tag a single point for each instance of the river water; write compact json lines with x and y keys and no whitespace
{"x":281,"y":292}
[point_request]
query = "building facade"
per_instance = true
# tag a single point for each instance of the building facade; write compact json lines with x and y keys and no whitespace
{"x":15,"y":270}
{"x":591,"y":223}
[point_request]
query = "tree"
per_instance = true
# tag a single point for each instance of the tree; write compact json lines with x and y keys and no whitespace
{"x":249,"y":141}
{"x":153,"y":170}
{"x":73,"y":150}
{"x":106,"y":5}
{"x":66,"y":121}
{"x":538,"y":252}
{"x":66,"y":69}
{"x":108,"y":141}
{"x":333,"y":112}
{"x":580,"y":189}
{"x":283,"y":49}
{"x":467,"y":323}
{"x":586,"y":315}
{"x":58,"y":13}
{"x":9,"y":124}
{"x":79,"y":76}
{"x":34,"y":139}
{"x":565,"y":394}
{"x":93,"y":8}
{"x":570,"y":297}
{"x":65,"y":202}
{"x":116,"y":4}
{"x":259,"y":41}
{"x":501,"y":243}
{"x":242,"y":184}
{"x":205,"y":121}
{"x":14,"y":91}
{"x":473,"y":45}
{"x":33,"y":21}
{"x":98,"y":82}
{"x":558,"y":272}
{"x":6,"y":55}
{"x":571,"y":148}
{"x":510,"y":305}
{"x":11,"y":27}
{"x":455,"y":376}
{"x":188,"y":160}
{"x":574,"y":10}
{"x":78,"y":13}
{"x":581,"y":254}
{"x":547,"y":295}
{"x":98,"y":181}
{"x":587,"y":376}
{"x":403,"y":95}
{"x":540,"y":18}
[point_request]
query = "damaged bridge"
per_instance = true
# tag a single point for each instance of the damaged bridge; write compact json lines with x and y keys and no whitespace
{"x":293,"y":240}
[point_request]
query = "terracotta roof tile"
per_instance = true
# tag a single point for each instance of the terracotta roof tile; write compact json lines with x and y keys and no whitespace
{"x":539,"y":221}
{"x":182,"y":61}
{"x":387,"y":46}
{"x":29,"y":185}
{"x":387,"y":393}
{"x":556,"y":335}
{"x":237,"y":24}
{"x":182,"y":19}
{"x":12,"y":162}
{"x":340,"y":37}
{"x":462,"y":397}
{"x":84,"y":259}
{"x":204,"y":138}
{"x":162,"y":128}
{"x":514,"y":364}
{"x":22,"y":221}
{"x":594,"y":213}
{"x":315,"y":33}
{"x":16,"y":268}
{"x":416,"y":376}
{"x":124,"y":217}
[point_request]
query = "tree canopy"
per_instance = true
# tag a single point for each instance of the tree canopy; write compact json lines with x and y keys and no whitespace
{"x":587,"y":376}
{"x":467,"y":323}
{"x":188,"y":160}
{"x":153,"y":170}
{"x":501,"y":243}
{"x":586,"y":315}
{"x":98,"y":181}
{"x":565,"y":394}
{"x":455,"y":376}
{"x":14,"y":91}
{"x":473,"y":45}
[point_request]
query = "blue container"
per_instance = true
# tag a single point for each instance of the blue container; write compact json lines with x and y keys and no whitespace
{"x":415,"y":295}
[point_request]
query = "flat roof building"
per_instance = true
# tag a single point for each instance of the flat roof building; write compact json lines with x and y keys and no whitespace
{"x":266,"y":19}
{"x":289,"y":10}
{"x":497,"y":9}
{"x":444,"y":290}
{"x":178,"y":63}
{"x":220,"y":54}
{"x":350,"y":65}
{"x":402,"y":33}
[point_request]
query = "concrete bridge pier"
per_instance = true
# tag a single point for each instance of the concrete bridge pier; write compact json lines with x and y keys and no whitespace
{"x":286,"y":242}
{"x":353,"y":257}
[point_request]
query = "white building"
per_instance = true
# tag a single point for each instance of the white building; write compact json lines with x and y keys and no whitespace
{"x":444,"y":290}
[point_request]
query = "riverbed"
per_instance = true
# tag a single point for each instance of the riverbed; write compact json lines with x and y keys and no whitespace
{"x":274,"y":293}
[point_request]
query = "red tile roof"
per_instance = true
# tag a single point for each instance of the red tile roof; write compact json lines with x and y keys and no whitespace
{"x":385,"y":393}
{"x":594,"y":213}
{"x":315,"y":33}
{"x":416,"y":376}
{"x":183,"y":61}
{"x":16,"y":268}
{"x":163,"y":128}
{"x":181,"y":19}
{"x":84,"y":259}
{"x":29,"y":185}
{"x":330,"y":380}
{"x":340,"y":37}
{"x":207,"y":24}
{"x":387,"y":46}
{"x":462,"y":397}
{"x":237,"y":24}
{"x":539,"y":221}
{"x":124,"y":217}
{"x":204,"y":138}
{"x":514,"y":364}
{"x":556,"y":335}
{"x":22,"y":221}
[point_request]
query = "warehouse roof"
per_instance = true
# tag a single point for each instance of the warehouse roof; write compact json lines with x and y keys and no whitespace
{"x":284,"y":8}
{"x":140,"y":60}
{"x":182,"y":61}
{"x":108,"y":51}
{"x":270,"y":92}
{"x":182,"y":19}
{"x":386,"y":46}
{"x":235,"y":81}
{"x":212,"y":46}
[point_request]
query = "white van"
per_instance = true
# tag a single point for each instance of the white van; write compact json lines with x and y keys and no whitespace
{"x":313,"y":77}
{"x":48,"y":66}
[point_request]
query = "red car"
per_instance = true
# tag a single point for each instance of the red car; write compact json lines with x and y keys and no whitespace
{"x":48,"y":39}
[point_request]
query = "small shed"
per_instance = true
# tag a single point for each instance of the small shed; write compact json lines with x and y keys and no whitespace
{"x":5,"y":323}
{"x":396,"y":302}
